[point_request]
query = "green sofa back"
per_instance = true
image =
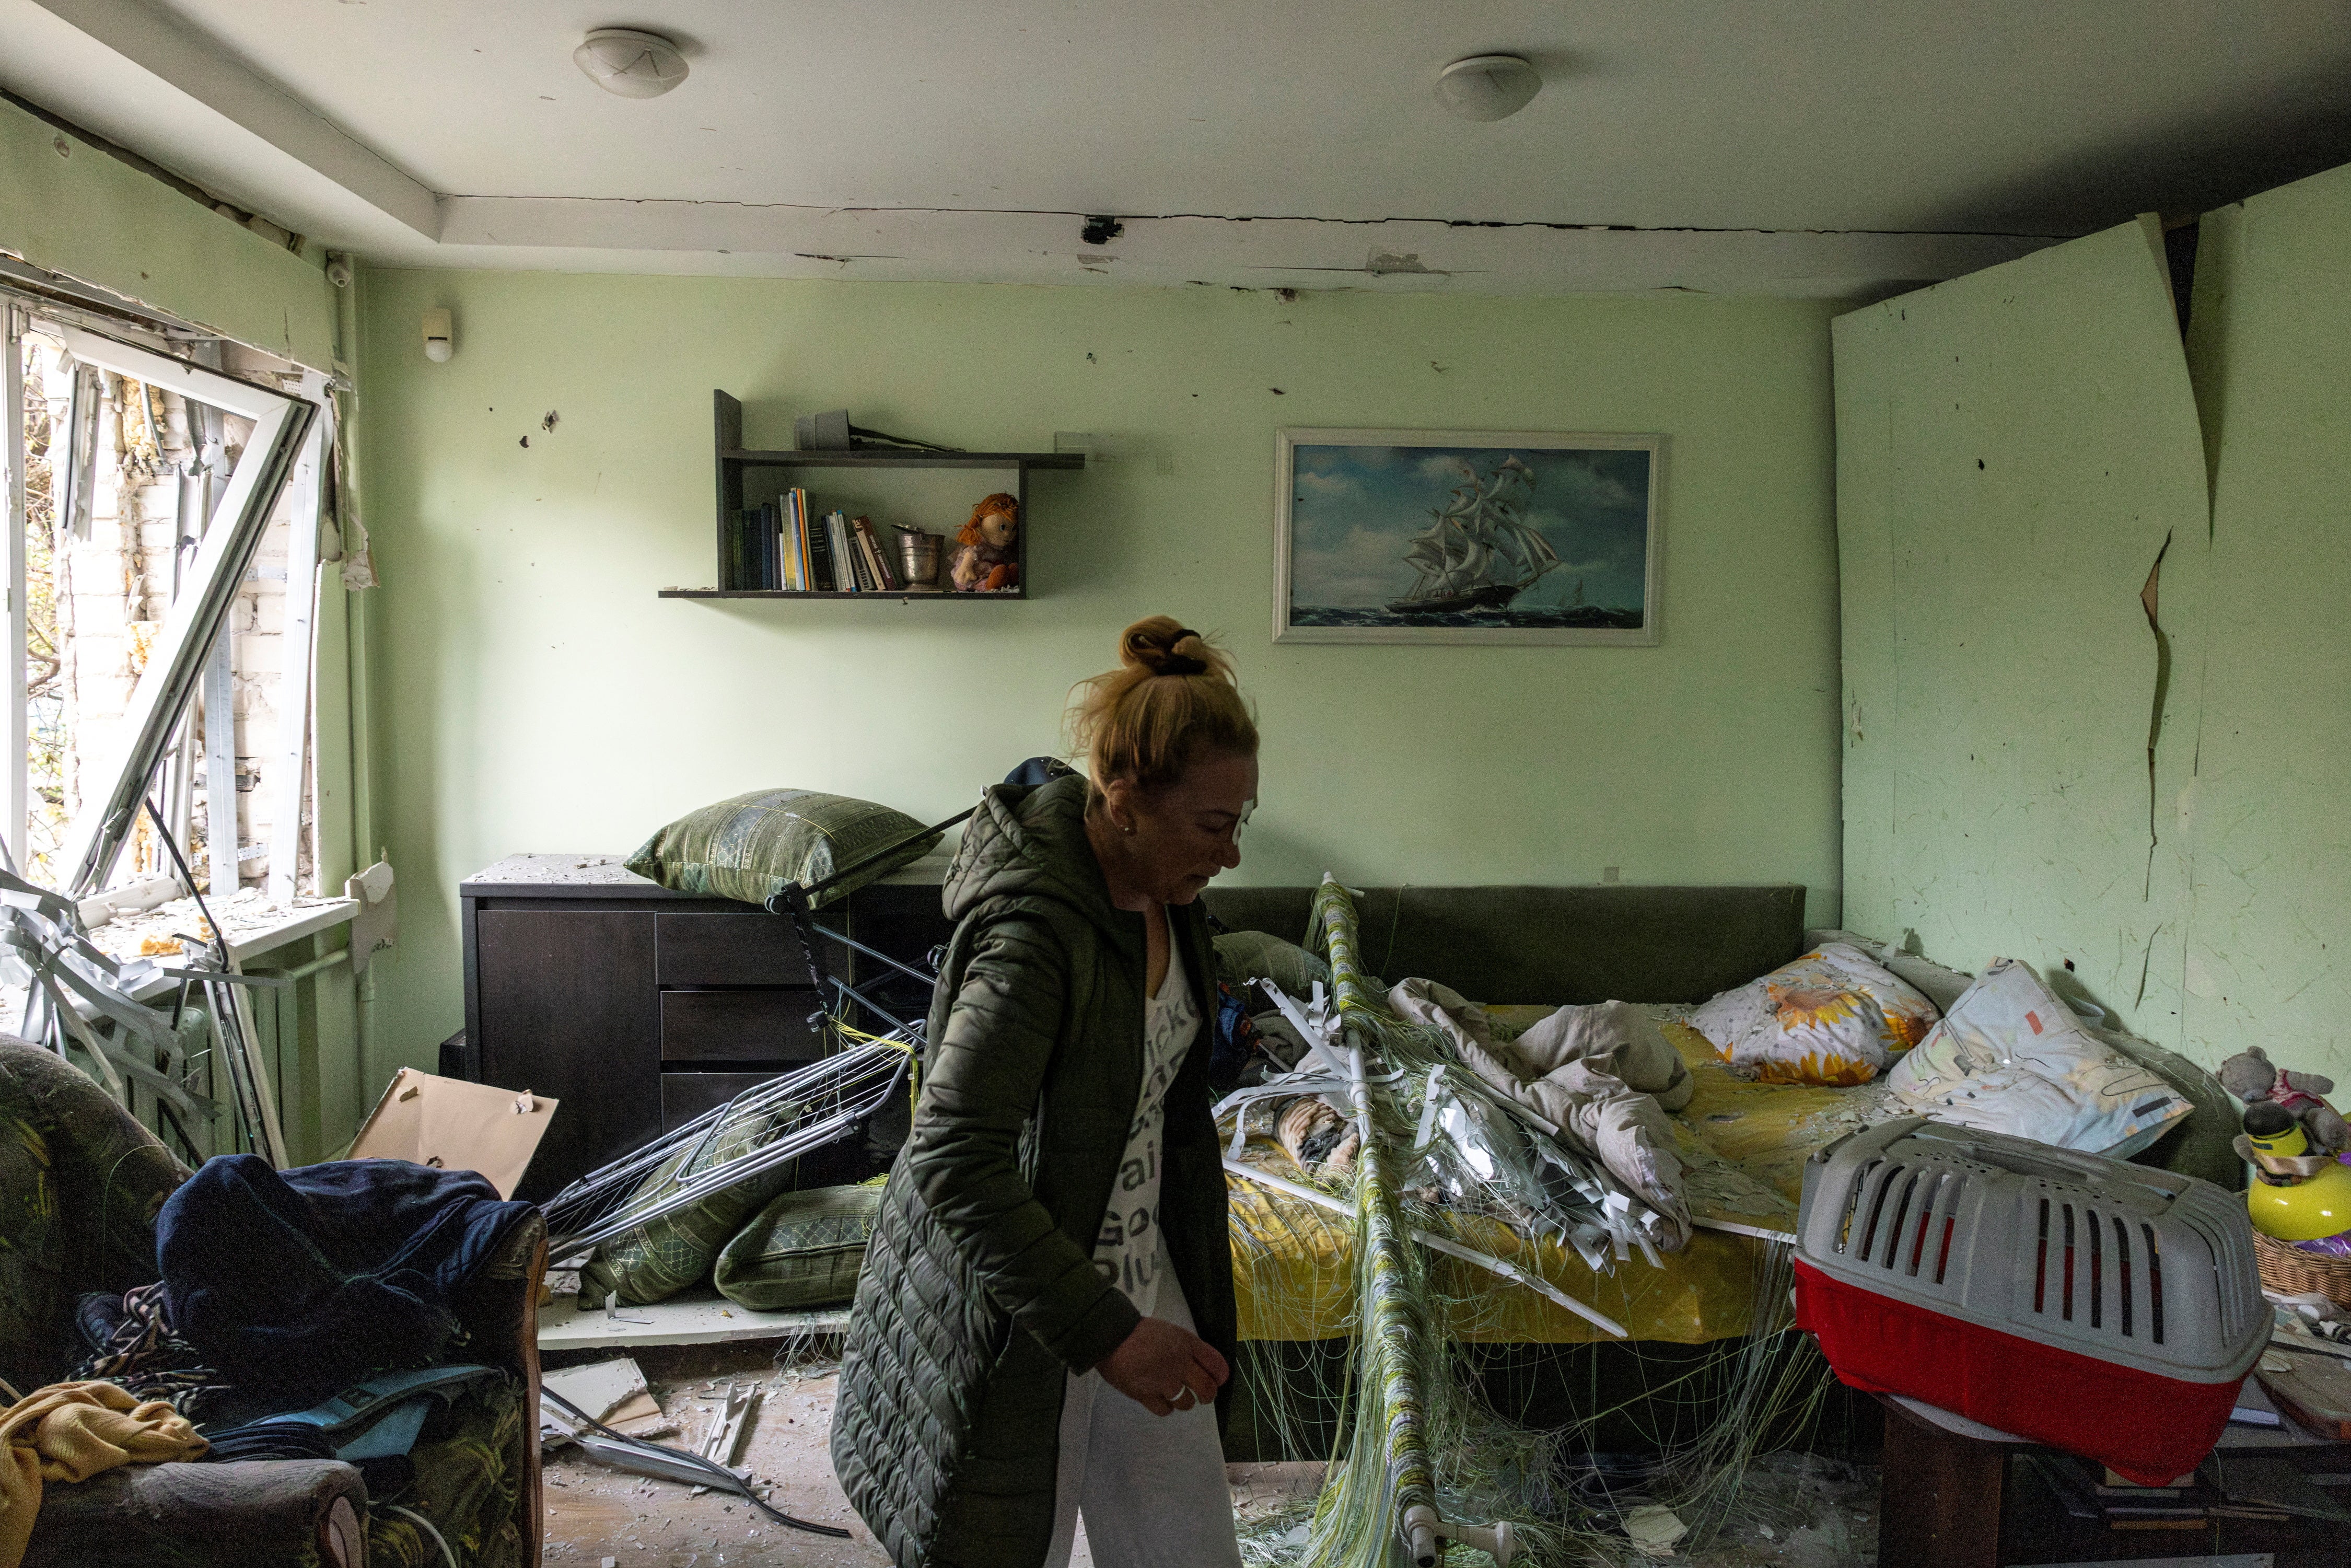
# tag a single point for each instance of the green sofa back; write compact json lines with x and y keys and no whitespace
{"x":1524,"y":944}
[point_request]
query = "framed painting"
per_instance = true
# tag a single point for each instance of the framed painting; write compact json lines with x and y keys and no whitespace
{"x":1467,"y":535}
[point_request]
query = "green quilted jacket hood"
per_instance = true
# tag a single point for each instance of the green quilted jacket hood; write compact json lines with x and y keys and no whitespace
{"x":979,"y":1297}
{"x":1030,"y":842}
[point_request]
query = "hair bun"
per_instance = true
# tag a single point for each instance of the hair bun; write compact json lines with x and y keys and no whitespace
{"x":1136,"y":727}
{"x":1175,"y":662}
{"x":1155,"y":646}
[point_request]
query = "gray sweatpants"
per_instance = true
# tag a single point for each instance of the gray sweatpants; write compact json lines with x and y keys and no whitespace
{"x":1152,"y":1488}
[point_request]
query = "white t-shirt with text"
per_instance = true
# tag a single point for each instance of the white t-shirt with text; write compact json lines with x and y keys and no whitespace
{"x":1127,"y":1252}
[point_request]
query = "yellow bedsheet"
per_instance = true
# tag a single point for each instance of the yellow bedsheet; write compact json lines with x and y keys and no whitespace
{"x":1294,"y":1266}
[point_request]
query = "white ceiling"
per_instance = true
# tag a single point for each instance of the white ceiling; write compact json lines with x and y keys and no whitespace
{"x":930,"y":137}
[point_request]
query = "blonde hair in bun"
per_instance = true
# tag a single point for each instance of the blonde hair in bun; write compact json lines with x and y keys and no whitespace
{"x":1172,"y":697}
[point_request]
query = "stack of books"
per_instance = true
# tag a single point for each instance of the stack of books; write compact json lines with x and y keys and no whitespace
{"x":2089,"y":1491}
{"x":782,"y":547}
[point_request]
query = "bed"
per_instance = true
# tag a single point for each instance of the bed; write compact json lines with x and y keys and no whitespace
{"x":1526,"y":950}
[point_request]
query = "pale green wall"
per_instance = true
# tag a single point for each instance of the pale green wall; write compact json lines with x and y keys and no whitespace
{"x":2269,"y":956}
{"x":534,"y":694}
{"x":2015,"y":448}
{"x":97,"y":219}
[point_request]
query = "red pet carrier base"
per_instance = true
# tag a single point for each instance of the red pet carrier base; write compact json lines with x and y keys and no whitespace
{"x":2150,"y":1428}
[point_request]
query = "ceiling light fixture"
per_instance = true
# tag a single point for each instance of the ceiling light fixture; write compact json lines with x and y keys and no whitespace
{"x":1488,"y":87}
{"x":632,"y":64}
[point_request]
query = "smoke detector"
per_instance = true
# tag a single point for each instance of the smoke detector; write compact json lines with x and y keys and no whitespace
{"x":629,"y":63}
{"x":1488,"y":87}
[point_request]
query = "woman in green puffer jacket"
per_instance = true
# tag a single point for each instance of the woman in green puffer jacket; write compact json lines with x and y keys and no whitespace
{"x":1045,"y":1321}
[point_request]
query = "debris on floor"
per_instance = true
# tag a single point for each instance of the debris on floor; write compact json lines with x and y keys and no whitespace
{"x":613,"y":1392}
{"x":1653,"y":1529}
{"x":1797,"y":1510}
{"x":784,"y":1416}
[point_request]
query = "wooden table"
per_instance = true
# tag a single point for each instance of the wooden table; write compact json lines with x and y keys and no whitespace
{"x":1945,"y":1501}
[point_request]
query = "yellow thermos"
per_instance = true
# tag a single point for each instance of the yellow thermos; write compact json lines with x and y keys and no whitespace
{"x":2288,"y":1208}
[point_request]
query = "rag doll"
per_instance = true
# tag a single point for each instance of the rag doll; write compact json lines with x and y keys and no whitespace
{"x":984,"y":559}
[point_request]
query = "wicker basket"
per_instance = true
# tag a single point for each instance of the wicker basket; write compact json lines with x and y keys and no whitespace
{"x":2290,"y":1271}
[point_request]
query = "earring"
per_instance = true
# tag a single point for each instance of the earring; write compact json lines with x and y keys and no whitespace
{"x":1129,"y":829}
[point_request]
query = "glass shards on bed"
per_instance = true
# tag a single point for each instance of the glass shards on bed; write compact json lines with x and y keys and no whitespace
{"x":1743,"y":1146}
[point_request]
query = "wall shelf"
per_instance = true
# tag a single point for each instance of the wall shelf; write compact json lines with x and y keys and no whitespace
{"x":734,"y":461}
{"x":894,"y":596}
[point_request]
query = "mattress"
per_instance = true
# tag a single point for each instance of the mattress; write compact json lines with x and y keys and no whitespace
{"x":1744,"y":1144}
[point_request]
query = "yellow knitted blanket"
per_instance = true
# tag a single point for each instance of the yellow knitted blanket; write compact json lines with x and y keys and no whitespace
{"x":70,"y":1432}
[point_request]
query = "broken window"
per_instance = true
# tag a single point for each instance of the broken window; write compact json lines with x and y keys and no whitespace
{"x":163,"y":594}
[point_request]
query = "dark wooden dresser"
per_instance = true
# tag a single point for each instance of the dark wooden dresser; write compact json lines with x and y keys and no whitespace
{"x":639,"y":1009}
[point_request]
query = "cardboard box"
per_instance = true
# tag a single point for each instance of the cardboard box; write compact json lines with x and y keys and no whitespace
{"x":451,"y":1124}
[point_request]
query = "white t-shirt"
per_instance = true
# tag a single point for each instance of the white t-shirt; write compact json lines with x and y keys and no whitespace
{"x":1128,"y":1253}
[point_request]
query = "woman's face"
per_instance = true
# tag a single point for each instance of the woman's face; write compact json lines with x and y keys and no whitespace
{"x":1188,"y":832}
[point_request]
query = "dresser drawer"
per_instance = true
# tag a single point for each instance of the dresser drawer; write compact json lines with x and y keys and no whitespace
{"x":730,"y":950}
{"x":739,"y":1025}
{"x":685,"y":1095}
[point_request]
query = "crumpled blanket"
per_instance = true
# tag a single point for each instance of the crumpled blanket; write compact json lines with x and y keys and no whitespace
{"x":1603,"y":1074}
{"x":70,"y":1432}
{"x":299,"y":1283}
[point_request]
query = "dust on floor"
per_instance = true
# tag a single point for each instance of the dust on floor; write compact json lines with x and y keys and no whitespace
{"x":1796,"y":1510}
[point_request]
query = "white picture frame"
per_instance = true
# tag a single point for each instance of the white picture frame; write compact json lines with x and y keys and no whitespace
{"x":1462,"y":522}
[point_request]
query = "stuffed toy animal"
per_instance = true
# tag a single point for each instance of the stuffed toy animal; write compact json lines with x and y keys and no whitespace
{"x":985,"y":561}
{"x":2252,"y":1077}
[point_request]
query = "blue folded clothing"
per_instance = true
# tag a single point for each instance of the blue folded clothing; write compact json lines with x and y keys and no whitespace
{"x":303,"y":1282}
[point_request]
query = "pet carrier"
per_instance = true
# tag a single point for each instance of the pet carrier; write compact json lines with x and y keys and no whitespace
{"x":2107,"y":1309}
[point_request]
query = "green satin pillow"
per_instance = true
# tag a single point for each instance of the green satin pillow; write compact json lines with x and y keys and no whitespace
{"x":754,"y":846}
{"x":803,"y":1251}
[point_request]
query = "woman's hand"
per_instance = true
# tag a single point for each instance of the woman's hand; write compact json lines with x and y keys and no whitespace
{"x":1165,"y":1368}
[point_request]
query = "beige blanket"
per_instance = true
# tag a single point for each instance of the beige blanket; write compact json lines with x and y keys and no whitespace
{"x":1603,"y":1075}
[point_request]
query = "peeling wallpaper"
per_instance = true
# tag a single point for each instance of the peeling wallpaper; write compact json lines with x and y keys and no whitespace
{"x":2142,"y":788}
{"x":534,"y":694}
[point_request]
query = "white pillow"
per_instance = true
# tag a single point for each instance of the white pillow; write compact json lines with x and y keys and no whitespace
{"x":2010,"y":1058}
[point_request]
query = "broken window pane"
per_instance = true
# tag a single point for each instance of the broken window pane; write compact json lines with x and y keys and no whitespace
{"x":96,"y":600}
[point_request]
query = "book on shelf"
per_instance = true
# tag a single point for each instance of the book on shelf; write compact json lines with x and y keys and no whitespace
{"x":877,"y":559}
{"x":821,"y":561}
{"x":845,"y":559}
{"x":741,"y":567}
{"x":801,"y":540}
{"x":866,"y":581}
{"x":794,"y":542}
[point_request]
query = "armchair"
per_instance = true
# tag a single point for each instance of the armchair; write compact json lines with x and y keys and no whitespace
{"x":80,"y":1185}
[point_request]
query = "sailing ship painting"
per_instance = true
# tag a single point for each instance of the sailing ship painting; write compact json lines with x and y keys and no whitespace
{"x":1394,"y":537}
